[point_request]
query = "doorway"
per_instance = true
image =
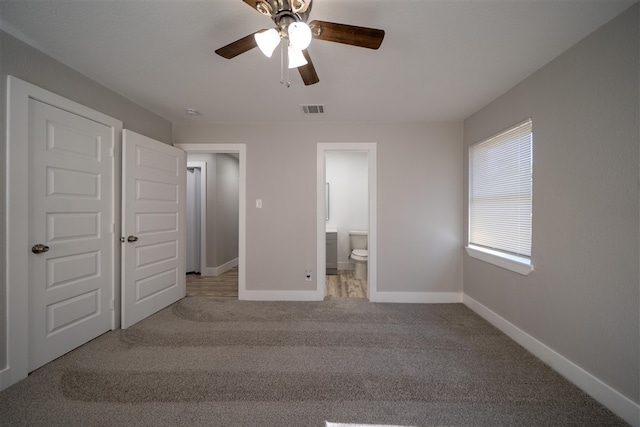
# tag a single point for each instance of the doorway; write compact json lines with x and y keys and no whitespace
{"x":212,"y":224}
{"x":347,"y":220}
{"x":196,"y":216}
{"x":342,"y":224}
{"x":233,"y":270}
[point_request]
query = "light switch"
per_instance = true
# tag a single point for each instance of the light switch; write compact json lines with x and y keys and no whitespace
{"x":259,"y":203}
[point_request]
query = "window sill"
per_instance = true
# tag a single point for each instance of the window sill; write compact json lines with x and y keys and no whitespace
{"x":514,"y":263}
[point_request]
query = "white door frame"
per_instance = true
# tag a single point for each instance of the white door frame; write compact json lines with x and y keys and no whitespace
{"x":17,"y":217}
{"x":203,"y":210}
{"x":241,"y":149}
{"x":370,"y":148}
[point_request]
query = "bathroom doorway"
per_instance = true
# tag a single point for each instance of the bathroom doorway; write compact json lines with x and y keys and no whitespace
{"x":346,"y":220}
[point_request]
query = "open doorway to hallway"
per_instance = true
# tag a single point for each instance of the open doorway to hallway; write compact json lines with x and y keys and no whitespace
{"x":212,"y":224}
{"x":216,"y":226}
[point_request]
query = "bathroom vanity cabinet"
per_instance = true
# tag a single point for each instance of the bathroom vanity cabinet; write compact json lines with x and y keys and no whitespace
{"x":332,"y":252}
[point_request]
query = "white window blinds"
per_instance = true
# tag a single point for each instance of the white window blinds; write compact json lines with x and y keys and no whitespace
{"x":500,"y":188}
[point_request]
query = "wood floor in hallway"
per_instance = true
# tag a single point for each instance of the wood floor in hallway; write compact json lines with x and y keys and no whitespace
{"x":224,"y":286}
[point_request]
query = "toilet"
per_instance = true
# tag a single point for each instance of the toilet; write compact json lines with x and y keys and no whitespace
{"x":359,"y":254}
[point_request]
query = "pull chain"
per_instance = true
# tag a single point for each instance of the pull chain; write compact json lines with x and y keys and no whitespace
{"x":284,"y":63}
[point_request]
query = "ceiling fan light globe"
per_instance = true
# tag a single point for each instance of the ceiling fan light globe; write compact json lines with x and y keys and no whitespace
{"x":296,"y":58}
{"x":299,"y":35}
{"x":268,"y":41}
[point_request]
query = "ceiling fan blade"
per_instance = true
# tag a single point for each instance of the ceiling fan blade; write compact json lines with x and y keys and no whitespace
{"x":308,"y":71}
{"x":370,"y":38}
{"x":239,"y":46}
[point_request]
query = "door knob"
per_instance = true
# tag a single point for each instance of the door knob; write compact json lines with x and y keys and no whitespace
{"x":132,"y":239}
{"x":39,"y":248}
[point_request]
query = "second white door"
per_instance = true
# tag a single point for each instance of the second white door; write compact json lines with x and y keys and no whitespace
{"x":153,"y":226}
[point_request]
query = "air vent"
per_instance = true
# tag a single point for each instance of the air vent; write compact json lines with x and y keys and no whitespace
{"x":312,"y":109}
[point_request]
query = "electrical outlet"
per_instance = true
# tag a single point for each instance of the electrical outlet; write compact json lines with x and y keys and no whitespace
{"x":307,"y":275}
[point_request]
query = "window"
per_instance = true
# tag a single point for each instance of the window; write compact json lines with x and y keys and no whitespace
{"x":500,"y":190}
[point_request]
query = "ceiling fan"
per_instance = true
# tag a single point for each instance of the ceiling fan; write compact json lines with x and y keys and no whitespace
{"x":290,"y":17}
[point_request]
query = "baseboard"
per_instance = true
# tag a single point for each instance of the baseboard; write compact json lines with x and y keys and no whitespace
{"x":5,"y":379}
{"x":10,"y":377}
{"x":249,"y":295}
{"x":417,"y":297}
{"x":619,"y":404}
{"x":346,"y":265}
{"x":209,"y":271}
{"x":216,"y":271}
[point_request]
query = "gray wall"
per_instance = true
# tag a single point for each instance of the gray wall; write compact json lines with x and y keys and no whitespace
{"x":582,"y":299}
{"x":419,"y":200}
{"x":26,"y":63}
{"x":227,"y":208}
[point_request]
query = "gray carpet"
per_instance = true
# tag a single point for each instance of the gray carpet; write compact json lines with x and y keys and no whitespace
{"x":237,"y":363}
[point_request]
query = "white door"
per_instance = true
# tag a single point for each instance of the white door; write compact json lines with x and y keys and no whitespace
{"x":71,"y":231}
{"x":153,"y":226}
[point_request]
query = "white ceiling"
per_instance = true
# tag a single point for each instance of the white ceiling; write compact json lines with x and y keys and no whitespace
{"x":439,"y":60}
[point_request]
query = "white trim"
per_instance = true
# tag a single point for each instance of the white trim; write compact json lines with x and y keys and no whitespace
{"x":417,"y":297}
{"x":371,"y":149}
{"x":619,"y":404}
{"x":5,"y":378}
{"x":209,"y":272}
{"x":202,"y":165}
{"x":514,"y":263}
{"x":17,"y":226}
{"x":221,"y":269}
{"x":226,"y":266}
{"x":283,"y":295}
{"x":346,"y":265}
{"x":241,"y":149}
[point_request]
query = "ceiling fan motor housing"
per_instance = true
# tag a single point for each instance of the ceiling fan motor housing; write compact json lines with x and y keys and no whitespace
{"x":284,"y":12}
